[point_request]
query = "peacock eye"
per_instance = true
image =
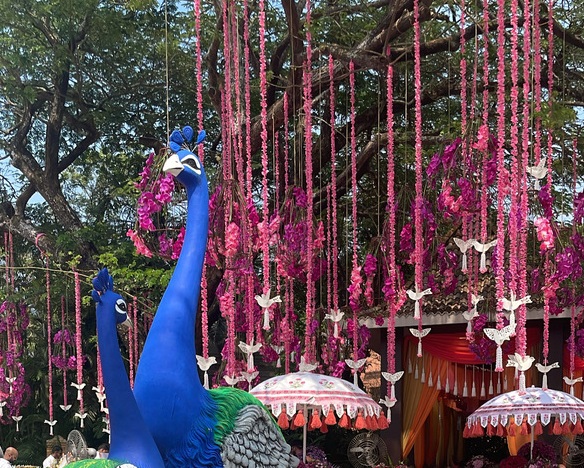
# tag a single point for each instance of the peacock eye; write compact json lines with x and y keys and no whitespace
{"x":193,"y":162}
{"x":121,"y":307}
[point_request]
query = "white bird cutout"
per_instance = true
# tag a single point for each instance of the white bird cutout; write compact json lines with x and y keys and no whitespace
{"x":10,"y":381}
{"x":472,"y":313}
{"x":100,"y":394}
{"x":393,"y":379}
{"x":306,"y":366}
{"x":64,"y":407}
{"x":483,"y":249}
{"x":51,"y":424}
{"x":2,"y":405}
{"x":81,"y":417}
{"x":265,"y":302}
{"x":355,"y":365}
{"x":415,"y":296}
{"x":232,"y":381}
{"x":511,"y":304}
{"x":204,"y":364}
{"x":571,"y":383}
{"x":544,"y":370}
{"x":248,"y":377}
{"x":278,"y":350}
{"x":521,"y":364}
{"x":538,"y":172}
{"x":389,"y":403}
{"x":249,"y":350}
{"x":17,"y":419}
{"x":335,"y":316}
{"x":499,"y":337}
{"x":464,"y":246}
{"x":419,"y":334}
{"x":79,"y":387}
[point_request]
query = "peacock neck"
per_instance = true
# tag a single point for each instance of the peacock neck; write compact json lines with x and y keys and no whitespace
{"x":167,"y":387}
{"x":130,"y":439}
{"x":186,"y":278}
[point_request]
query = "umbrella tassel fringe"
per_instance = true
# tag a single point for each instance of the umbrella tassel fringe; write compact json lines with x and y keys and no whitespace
{"x":315,"y":422}
{"x":382,"y":421}
{"x":299,"y":420}
{"x":330,"y":418}
{"x":360,"y":421}
{"x":283,"y":420}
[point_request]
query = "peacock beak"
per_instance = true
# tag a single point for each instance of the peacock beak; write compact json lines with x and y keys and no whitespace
{"x":173,"y":165}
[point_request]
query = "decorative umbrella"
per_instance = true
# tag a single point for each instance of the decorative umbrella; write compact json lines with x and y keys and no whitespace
{"x":527,"y":411}
{"x":533,"y":407}
{"x":290,"y":396}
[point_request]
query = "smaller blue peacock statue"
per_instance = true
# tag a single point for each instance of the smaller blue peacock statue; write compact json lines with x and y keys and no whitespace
{"x":131,"y":443}
{"x":193,"y":426}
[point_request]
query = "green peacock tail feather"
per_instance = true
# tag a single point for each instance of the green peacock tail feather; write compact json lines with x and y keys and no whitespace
{"x":95,"y":463}
{"x":229,"y":401}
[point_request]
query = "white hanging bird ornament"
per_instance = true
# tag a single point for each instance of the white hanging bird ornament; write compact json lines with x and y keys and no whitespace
{"x":544,"y":370}
{"x":2,"y":405}
{"x":499,"y":337}
{"x":419,"y":334}
{"x":571,"y":383}
{"x":204,"y":364}
{"x":472,"y":313}
{"x":392,"y":379}
{"x":232,"y":381}
{"x":10,"y":381}
{"x":483,"y":249}
{"x":79,"y":387}
{"x":51,"y":424}
{"x":248,"y":377}
{"x":538,"y":172}
{"x":278,"y":350}
{"x":82,"y":417}
{"x":356,"y":366}
{"x":415,"y":296}
{"x":389,"y":403}
{"x":521,"y":363}
{"x":249,"y":350}
{"x":335,"y":316}
{"x":17,"y":419}
{"x":306,"y":366}
{"x":464,"y":245}
{"x":511,"y":304}
{"x":265,"y":302}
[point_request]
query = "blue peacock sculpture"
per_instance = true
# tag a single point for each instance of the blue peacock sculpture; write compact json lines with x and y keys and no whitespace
{"x":193,"y":426}
{"x":131,"y":442}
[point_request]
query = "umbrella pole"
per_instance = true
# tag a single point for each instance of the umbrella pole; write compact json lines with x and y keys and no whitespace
{"x":531,"y":450}
{"x":304,"y":437}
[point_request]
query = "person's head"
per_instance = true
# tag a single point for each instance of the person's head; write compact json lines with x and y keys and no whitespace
{"x":57,"y":451}
{"x":103,"y":448}
{"x":11,"y":454}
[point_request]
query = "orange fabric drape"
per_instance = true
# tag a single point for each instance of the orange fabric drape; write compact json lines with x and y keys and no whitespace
{"x":418,"y":399}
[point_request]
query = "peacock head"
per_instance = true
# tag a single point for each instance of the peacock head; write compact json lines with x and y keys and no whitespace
{"x":107,"y":300}
{"x":183,"y":163}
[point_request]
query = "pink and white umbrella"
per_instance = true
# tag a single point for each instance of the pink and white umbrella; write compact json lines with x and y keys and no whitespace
{"x":290,"y":396}
{"x":527,"y":411}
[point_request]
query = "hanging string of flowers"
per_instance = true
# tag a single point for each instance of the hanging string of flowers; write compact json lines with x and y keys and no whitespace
{"x":79,"y":358}
{"x":51,"y":421}
{"x":309,"y":338}
{"x":502,"y":173}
